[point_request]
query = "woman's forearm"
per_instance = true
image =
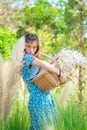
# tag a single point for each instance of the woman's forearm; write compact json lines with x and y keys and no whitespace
{"x":45,"y":65}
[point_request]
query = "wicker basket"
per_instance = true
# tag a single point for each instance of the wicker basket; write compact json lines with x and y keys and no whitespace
{"x":46,"y":81}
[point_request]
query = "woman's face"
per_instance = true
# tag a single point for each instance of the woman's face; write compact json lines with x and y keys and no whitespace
{"x":31,"y":48}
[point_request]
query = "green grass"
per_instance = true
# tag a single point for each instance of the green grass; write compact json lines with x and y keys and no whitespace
{"x":19,"y":118}
{"x":73,"y":117}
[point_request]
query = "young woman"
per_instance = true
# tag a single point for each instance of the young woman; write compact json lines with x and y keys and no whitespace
{"x":41,"y":105}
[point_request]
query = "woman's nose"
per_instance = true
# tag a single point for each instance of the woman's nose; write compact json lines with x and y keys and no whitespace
{"x":32,"y":49}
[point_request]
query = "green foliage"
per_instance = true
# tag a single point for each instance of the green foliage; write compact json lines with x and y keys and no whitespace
{"x":62,"y":24}
{"x":7,"y":40}
{"x":41,"y":15}
{"x":75,"y":19}
{"x":72,"y":118}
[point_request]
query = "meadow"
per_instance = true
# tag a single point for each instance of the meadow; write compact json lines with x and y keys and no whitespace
{"x":71,"y":117}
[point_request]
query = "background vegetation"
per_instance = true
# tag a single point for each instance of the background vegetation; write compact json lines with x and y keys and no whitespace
{"x":59,"y":24}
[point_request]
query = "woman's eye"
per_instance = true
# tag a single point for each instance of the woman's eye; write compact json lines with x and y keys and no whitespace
{"x":34,"y":47}
{"x":29,"y":47}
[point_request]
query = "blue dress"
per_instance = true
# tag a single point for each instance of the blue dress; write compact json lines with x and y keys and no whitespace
{"x":41,"y":105}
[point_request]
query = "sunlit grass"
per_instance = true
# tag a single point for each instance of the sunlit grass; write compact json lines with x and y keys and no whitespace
{"x":19,"y":118}
{"x":72,"y":117}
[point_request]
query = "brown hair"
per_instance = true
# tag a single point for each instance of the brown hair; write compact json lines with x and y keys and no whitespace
{"x":30,"y":37}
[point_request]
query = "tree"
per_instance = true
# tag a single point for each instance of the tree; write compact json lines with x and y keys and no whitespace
{"x":41,"y":15}
{"x":75,"y":16}
{"x":7,"y":40}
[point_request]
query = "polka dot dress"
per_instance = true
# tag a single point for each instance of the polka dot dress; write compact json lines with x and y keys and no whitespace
{"x":41,"y":105}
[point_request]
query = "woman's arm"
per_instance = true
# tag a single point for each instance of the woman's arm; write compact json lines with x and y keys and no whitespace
{"x":45,"y":65}
{"x":49,"y":67}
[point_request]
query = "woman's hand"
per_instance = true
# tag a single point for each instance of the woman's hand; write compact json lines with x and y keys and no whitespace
{"x":62,"y":78}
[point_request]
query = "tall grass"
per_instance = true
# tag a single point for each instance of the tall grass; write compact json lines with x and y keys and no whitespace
{"x":19,"y":118}
{"x":71,"y":118}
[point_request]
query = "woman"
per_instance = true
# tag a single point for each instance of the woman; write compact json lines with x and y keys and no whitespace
{"x":41,"y":105}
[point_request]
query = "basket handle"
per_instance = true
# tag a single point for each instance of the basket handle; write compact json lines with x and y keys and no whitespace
{"x":44,"y":54}
{"x":52,"y":60}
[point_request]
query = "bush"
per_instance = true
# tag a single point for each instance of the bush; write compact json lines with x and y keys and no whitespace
{"x":7,"y":40}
